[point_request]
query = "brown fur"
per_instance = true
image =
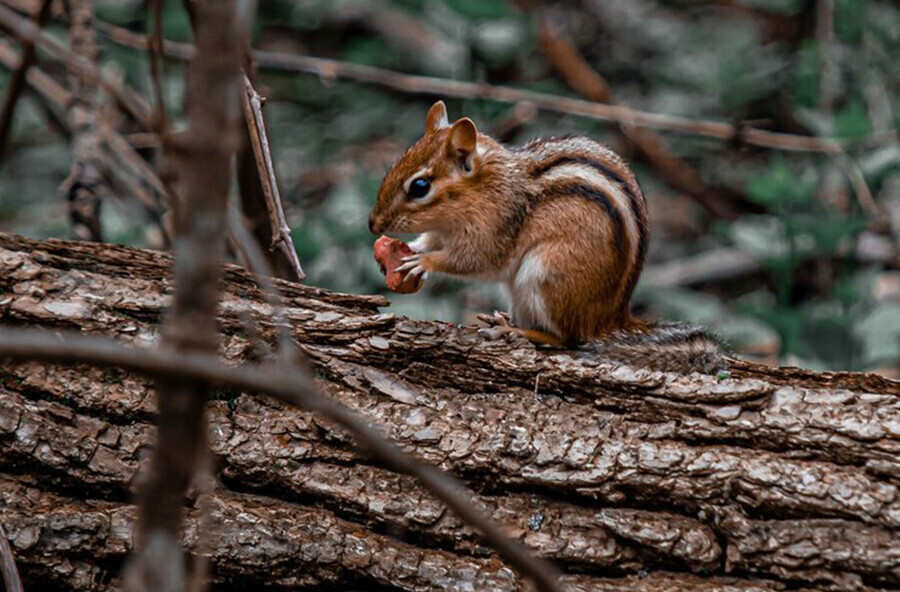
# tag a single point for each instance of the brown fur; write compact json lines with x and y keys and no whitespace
{"x":561,"y":221}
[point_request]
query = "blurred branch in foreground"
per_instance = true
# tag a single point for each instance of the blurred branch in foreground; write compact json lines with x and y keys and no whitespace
{"x":202,"y":158}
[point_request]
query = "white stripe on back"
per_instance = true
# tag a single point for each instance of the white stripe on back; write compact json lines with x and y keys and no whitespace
{"x":614,"y":191}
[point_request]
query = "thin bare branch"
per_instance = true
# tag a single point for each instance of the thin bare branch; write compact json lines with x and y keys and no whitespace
{"x":256,"y":125}
{"x":17,"y":81}
{"x":716,"y":265}
{"x":156,"y":67}
{"x":294,"y":387}
{"x":11,"y":578}
{"x":140,"y":168}
{"x":256,"y":205}
{"x":262,"y":272}
{"x":331,"y":69}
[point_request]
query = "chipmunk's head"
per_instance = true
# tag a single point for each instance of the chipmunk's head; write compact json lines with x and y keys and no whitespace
{"x":422,"y":191}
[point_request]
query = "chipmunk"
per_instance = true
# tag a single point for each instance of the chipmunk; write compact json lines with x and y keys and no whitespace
{"x":560,"y":222}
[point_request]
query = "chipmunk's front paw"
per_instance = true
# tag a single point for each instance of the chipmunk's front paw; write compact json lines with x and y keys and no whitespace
{"x":415,"y":265}
{"x":499,"y":327}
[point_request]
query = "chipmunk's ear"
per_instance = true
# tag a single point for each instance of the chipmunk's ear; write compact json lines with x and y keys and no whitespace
{"x":462,"y":144}
{"x":437,"y":118}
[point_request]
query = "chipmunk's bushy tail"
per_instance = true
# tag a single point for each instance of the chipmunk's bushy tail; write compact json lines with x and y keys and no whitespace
{"x":670,"y":347}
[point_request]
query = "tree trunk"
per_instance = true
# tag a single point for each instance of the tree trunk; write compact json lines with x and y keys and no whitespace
{"x":629,"y":479}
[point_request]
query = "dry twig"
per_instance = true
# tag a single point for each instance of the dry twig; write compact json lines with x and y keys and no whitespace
{"x":17,"y":81}
{"x":716,"y":265}
{"x":260,"y":205}
{"x":330,"y":69}
{"x":256,"y":126}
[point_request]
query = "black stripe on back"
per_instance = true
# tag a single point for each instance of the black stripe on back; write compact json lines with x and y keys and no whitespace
{"x":597,"y":196}
{"x":518,"y":214}
{"x":633,"y":203}
{"x":604,"y":170}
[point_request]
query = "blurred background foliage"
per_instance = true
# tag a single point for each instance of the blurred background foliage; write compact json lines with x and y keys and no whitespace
{"x":799,"y":273}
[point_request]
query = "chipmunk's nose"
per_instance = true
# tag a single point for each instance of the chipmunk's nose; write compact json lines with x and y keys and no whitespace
{"x":374,"y":227}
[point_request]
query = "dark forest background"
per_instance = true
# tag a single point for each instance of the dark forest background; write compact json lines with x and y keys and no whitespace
{"x":788,"y":256}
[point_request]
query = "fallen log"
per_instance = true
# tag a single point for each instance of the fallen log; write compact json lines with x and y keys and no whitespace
{"x":628,"y":478}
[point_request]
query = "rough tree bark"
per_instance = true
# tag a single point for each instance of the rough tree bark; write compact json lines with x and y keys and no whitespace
{"x":629,"y":479}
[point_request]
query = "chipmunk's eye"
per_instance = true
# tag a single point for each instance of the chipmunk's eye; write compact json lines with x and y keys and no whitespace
{"x":419,"y":188}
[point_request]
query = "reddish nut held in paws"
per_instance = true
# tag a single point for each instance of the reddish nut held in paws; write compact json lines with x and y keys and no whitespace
{"x":389,"y":253}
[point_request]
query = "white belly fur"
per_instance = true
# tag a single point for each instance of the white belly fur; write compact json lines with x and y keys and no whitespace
{"x":526,"y":300}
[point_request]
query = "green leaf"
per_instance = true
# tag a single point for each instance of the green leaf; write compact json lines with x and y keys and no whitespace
{"x":779,"y":186}
{"x":831,"y":232}
{"x":850,"y":19}
{"x":852,"y":121}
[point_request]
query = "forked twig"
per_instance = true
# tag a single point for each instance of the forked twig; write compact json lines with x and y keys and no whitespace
{"x":256,"y":125}
{"x":11,"y":578}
